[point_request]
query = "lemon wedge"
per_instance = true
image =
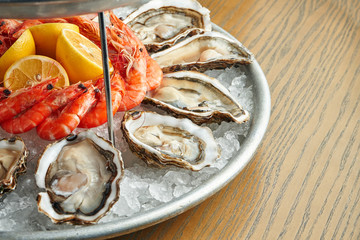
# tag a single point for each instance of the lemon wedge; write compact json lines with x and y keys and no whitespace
{"x":46,"y":35}
{"x":80,"y":57}
{"x":22,"y":47}
{"x":33,"y":69}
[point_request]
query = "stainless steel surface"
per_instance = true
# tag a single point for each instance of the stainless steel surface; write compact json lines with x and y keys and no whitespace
{"x":259,"y":122}
{"x":58,"y":8}
{"x":104,"y":48}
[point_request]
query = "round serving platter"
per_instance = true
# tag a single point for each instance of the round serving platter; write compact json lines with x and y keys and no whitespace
{"x":258,"y":124}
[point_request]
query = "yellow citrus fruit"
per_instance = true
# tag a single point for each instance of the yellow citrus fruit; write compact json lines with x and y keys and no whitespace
{"x":46,"y":35}
{"x":34,"y":69}
{"x":80,"y":57}
{"x":22,"y":47}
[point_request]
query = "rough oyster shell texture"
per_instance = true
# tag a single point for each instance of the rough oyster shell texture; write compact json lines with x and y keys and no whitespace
{"x":164,"y":140}
{"x":81,"y":177}
{"x":13,"y":155}
{"x":210,"y":50}
{"x":198,"y":97}
{"x":160,"y":24}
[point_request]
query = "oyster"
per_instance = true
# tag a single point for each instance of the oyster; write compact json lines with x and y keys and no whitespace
{"x":198,"y":97}
{"x":81,"y":176}
{"x":164,"y":140}
{"x":161,"y":23}
{"x":13,"y":155}
{"x":210,"y":50}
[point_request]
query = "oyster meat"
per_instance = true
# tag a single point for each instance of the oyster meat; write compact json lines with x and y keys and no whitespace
{"x":210,"y":50}
{"x":164,"y":140}
{"x":81,"y":176}
{"x":198,"y":97}
{"x":13,"y":155}
{"x":161,"y":23}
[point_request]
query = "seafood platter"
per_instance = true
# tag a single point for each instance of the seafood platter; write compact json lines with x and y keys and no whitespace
{"x":190,"y":104}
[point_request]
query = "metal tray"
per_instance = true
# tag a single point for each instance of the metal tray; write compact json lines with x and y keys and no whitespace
{"x":258,"y":125}
{"x":58,"y":8}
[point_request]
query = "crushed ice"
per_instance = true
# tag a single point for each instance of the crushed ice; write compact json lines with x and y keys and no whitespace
{"x":142,"y":187}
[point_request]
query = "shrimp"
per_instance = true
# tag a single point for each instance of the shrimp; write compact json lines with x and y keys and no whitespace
{"x":133,"y":62}
{"x":8,"y":26}
{"x":87,"y":27}
{"x":23,"y":26}
{"x":31,"y":118}
{"x":5,"y":44}
{"x":61,"y":123}
{"x":154,"y":74}
{"x":24,"y":98}
{"x":98,"y":114}
{"x":4,"y":93}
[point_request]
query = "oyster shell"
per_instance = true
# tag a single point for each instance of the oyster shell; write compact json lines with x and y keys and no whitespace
{"x":164,"y":140}
{"x":198,"y":97}
{"x":210,"y":50}
{"x":81,"y":176}
{"x":161,"y":23}
{"x":13,"y":155}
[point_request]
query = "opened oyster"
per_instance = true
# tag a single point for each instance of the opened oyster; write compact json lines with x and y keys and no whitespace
{"x":198,"y":97}
{"x":161,"y":23}
{"x":81,"y":176}
{"x":210,"y":50}
{"x":13,"y":155}
{"x":165,"y":140}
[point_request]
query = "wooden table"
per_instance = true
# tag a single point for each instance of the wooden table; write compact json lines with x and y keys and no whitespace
{"x":303,"y":183}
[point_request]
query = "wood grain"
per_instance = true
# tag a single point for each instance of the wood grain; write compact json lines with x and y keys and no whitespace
{"x":303,"y":183}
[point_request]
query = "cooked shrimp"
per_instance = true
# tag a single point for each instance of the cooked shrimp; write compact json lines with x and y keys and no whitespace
{"x":133,"y":62}
{"x":37,"y":113}
{"x":23,"y":26}
{"x":61,"y":123}
{"x":153,"y":71}
{"x":24,"y":98}
{"x":8,"y":26}
{"x":5,"y":44}
{"x":98,"y":114}
{"x":87,"y":27}
{"x":154,"y":74}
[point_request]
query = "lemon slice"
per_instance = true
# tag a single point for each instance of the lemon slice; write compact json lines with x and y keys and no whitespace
{"x":80,"y":57}
{"x":22,"y":47}
{"x":33,"y":69}
{"x":46,"y":35}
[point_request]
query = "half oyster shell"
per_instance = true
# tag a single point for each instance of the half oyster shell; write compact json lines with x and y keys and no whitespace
{"x":81,"y":176}
{"x":198,"y":97}
{"x":161,"y":23}
{"x":164,"y":140}
{"x":13,"y":155}
{"x":210,"y":50}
